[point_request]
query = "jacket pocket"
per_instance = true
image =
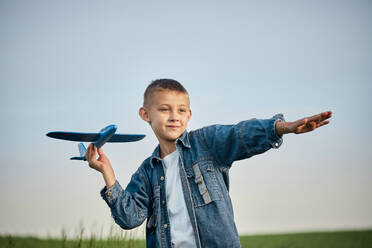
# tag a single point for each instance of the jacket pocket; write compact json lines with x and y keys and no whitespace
{"x":203,"y":183}
{"x":153,"y":219}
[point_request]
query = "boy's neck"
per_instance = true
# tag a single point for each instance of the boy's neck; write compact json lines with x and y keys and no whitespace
{"x":166,"y":148}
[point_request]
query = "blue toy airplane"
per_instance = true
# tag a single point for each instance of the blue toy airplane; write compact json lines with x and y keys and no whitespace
{"x":106,"y":134}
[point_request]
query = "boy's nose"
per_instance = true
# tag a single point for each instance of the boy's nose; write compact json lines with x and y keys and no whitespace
{"x":174,"y":116}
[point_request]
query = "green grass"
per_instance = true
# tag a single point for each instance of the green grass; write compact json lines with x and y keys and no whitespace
{"x":345,"y":239}
{"x":33,"y":242}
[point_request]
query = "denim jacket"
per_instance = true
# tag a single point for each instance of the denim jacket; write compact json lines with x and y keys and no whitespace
{"x":206,"y":156}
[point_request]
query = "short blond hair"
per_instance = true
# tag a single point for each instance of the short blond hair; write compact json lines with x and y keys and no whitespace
{"x":162,"y":84}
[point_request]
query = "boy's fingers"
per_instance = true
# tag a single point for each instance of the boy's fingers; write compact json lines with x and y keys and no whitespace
{"x":102,"y":156}
{"x":91,"y":152}
{"x":94,"y":152}
{"x":87,"y":152}
{"x":310,"y":123}
{"x":326,"y":115}
{"x":322,"y":116}
{"x":322,"y":123}
{"x":316,"y":118}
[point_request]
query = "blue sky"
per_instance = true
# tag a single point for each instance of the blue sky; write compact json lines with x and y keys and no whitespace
{"x":81,"y":65}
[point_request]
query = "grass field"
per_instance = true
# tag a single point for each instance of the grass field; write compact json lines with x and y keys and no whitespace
{"x":345,"y":239}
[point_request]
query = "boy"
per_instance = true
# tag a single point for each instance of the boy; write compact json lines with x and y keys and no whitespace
{"x":182,"y":188}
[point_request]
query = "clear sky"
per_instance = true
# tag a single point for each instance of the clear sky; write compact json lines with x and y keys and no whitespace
{"x":81,"y":65}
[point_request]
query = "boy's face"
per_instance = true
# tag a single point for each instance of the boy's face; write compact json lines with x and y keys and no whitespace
{"x":168,"y":114}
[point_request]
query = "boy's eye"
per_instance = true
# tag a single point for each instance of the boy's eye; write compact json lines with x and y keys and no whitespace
{"x":182,"y":110}
{"x":163,"y":109}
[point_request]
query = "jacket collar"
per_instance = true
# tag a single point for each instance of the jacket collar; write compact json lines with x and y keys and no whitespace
{"x":183,"y":140}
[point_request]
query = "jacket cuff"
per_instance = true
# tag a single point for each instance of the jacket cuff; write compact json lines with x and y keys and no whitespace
{"x":111,"y":194}
{"x":274,"y":139}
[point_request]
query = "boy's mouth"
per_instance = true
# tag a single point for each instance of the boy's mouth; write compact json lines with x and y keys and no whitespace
{"x":173,"y":127}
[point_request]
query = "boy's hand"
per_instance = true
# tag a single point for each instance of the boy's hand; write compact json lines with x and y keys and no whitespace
{"x":102,"y":164}
{"x":303,"y":125}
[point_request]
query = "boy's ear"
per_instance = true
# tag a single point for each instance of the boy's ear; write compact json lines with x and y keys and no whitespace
{"x":190,"y":114}
{"x":144,"y":114}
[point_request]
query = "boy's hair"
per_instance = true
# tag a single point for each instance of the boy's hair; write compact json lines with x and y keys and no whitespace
{"x":162,"y":84}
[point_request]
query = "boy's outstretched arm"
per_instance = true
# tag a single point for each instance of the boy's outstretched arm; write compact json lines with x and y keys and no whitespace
{"x":303,"y":125}
{"x":129,"y":207}
{"x":102,"y":164}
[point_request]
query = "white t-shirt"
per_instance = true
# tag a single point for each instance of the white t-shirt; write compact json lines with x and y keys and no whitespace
{"x":182,"y":234}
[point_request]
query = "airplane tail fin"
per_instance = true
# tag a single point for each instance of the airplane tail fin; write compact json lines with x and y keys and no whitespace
{"x":82,"y":150}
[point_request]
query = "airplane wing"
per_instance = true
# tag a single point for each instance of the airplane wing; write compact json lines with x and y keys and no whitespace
{"x":126,"y":137}
{"x":82,"y":137}
{"x":92,"y":137}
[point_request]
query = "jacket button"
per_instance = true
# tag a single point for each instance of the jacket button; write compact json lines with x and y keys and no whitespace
{"x":163,"y":202}
{"x":161,"y":178}
{"x":109,"y":193}
{"x":165,"y":225}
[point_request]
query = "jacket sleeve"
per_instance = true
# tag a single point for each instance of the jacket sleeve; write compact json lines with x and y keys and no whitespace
{"x":129,"y":207}
{"x":229,"y":143}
